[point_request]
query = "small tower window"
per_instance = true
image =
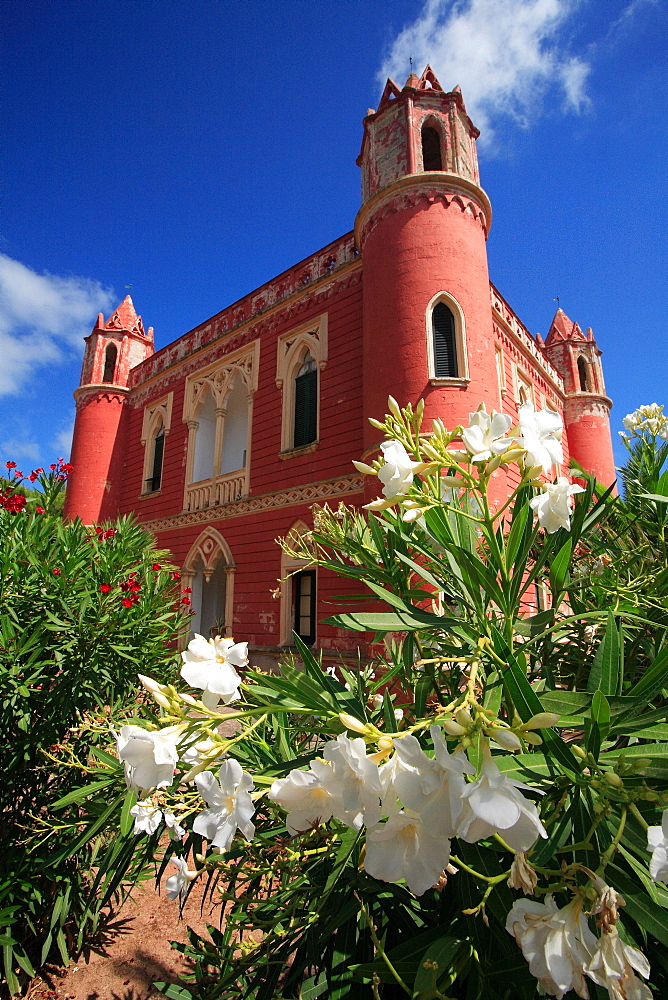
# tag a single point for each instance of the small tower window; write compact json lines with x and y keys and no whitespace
{"x":155,"y":480}
{"x":583,"y":375}
{"x":306,"y":403}
{"x":431,"y":149}
{"x":445,"y":345}
{"x":110,"y":356}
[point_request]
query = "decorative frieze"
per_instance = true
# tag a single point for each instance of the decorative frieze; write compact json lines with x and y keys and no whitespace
{"x":309,"y":493}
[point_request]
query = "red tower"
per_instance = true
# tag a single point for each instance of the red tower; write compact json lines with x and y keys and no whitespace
{"x":586,"y":408}
{"x":98,"y":446}
{"x":422,"y":229}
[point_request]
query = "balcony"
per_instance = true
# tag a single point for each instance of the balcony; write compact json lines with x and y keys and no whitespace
{"x":215,"y":492}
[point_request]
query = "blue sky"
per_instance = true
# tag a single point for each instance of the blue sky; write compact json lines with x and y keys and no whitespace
{"x":193,"y":150}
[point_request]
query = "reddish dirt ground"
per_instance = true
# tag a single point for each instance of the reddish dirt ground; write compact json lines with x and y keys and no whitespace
{"x":134,"y":952}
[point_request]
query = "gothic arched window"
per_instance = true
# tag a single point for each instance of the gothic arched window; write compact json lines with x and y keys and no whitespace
{"x":444,"y":342}
{"x":110,"y":356}
{"x":583,"y":375}
{"x":306,"y":402}
{"x":431,"y":149}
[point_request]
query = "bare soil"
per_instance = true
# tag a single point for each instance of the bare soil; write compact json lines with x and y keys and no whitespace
{"x":132,"y":952}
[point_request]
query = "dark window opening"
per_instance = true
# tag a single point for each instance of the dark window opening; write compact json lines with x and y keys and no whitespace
{"x":583,"y":373}
{"x":445,"y":345}
{"x":306,"y":403}
{"x":431,"y":149}
{"x":303,"y":596}
{"x":110,"y":356}
{"x":155,"y":481}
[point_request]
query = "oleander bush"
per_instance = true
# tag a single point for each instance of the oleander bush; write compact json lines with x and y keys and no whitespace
{"x":81,"y":611}
{"x":479,"y":811}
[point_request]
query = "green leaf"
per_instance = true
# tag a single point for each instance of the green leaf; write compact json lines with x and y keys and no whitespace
{"x":606,"y":672}
{"x":126,"y":820}
{"x":384,"y":621}
{"x":442,"y":952}
{"x":559,"y":567}
{"x":654,"y":679}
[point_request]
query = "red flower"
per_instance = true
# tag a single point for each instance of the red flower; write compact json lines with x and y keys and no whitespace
{"x":127,"y":602}
{"x":39,"y":471}
{"x":54,"y":466}
{"x":11,"y":465}
{"x":186,"y":601}
{"x":105,"y":588}
{"x":19,"y":475}
{"x":57,"y":571}
{"x":40,"y":510}
{"x":32,"y":477}
{"x":187,"y":590}
{"x":176,"y":576}
{"x":156,"y":567}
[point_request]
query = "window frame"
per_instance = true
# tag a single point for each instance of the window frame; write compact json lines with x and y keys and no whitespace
{"x":292,"y":349}
{"x":157,"y":420}
{"x":461,"y":353}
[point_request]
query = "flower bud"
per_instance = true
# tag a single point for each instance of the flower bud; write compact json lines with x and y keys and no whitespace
{"x":149,"y":683}
{"x":350,"y":722}
{"x":431,"y":452}
{"x":543,"y":720}
{"x":453,"y":728}
{"x":365,"y":469}
{"x":613,"y":779}
{"x":188,"y":699}
{"x":161,"y":700}
{"x":385,"y":743}
{"x":463,"y":718}
{"x":393,"y":406}
{"x":505,"y":738}
{"x":578,"y":751}
{"x":641,"y":763}
{"x":458,"y":456}
{"x":533,"y":739}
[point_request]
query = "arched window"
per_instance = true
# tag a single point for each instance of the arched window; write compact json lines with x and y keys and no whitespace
{"x":304,"y":605}
{"x":205,"y":441}
{"x":444,"y":342}
{"x":110,"y":356}
{"x":235,"y":428}
{"x":583,"y":375}
{"x":154,"y":482}
{"x":431,"y":149}
{"x":209,"y":571}
{"x":298,"y":591}
{"x":306,"y":402}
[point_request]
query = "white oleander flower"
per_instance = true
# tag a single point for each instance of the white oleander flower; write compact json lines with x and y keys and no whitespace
{"x":177,"y":884}
{"x":556,"y":943}
{"x":196,"y":751}
{"x":396,"y":474}
{"x":407,"y":847}
{"x":304,"y":798}
{"x":553,"y":505}
{"x":149,"y":757}
{"x":657,"y":843}
{"x":486,"y":435}
{"x":431,"y":788}
{"x":353,"y":782}
{"x":210,"y":665}
{"x":540,"y":437}
{"x":613,"y":965}
{"x":148,"y":816}
{"x":493,"y":804}
{"x":230,"y":805}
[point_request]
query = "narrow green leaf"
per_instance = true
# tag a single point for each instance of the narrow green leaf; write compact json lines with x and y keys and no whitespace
{"x":605,"y":674}
{"x":441,"y":952}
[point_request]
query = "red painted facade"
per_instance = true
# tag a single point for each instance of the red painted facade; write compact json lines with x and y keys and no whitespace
{"x":197,"y":439}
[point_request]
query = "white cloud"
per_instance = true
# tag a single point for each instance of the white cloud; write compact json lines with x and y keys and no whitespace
{"x":505,"y":54}
{"x":43,"y":318}
{"x":63,"y":440}
{"x":16,"y":449}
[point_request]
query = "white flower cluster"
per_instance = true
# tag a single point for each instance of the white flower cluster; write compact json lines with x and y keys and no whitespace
{"x":649,"y":418}
{"x":412,"y":805}
{"x":561,"y":950}
{"x":535,"y":443}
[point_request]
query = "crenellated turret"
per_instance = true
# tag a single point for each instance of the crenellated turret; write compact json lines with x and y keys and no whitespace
{"x":98,"y":447}
{"x":576,"y":357}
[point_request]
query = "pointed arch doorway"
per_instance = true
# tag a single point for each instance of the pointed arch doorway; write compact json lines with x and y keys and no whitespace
{"x":209,"y":572}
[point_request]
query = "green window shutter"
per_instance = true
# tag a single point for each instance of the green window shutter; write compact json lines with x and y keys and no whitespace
{"x":158,"y":451}
{"x":306,"y":408}
{"x":445,"y":347}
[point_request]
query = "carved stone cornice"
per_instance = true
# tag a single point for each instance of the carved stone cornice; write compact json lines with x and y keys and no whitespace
{"x":429,"y":187}
{"x":586,"y":404}
{"x":309,"y":493}
{"x":84,"y":393}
